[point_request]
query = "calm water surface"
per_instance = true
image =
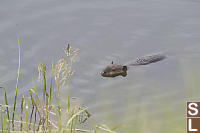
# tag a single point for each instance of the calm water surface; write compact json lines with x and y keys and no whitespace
{"x":105,"y":31}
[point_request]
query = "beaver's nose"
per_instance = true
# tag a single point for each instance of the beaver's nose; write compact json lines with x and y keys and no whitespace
{"x":102,"y":73}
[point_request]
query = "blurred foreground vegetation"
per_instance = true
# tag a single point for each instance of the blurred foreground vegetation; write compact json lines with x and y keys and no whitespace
{"x":45,"y":113}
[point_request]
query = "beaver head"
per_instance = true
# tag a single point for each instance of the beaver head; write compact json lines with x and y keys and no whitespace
{"x":114,"y":70}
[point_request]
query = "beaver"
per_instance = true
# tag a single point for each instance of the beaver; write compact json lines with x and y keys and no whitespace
{"x":113,"y":70}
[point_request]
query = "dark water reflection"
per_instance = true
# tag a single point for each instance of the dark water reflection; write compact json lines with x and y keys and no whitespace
{"x":104,"y":31}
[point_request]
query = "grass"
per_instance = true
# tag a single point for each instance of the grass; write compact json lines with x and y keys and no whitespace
{"x":38,"y":113}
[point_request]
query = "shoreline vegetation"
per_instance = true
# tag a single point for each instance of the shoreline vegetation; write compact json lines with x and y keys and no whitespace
{"x":39,"y":113}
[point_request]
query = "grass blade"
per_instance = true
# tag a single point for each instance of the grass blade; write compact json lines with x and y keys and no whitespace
{"x":6,"y":102}
{"x":2,"y":118}
{"x":15,"y":101}
{"x":76,"y":114}
{"x":22,"y":110}
{"x":26,"y":114}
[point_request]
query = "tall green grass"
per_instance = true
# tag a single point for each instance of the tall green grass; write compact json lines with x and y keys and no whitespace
{"x":45,"y":113}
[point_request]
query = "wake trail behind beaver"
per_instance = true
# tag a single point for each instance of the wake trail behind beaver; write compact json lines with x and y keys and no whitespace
{"x":145,"y":60}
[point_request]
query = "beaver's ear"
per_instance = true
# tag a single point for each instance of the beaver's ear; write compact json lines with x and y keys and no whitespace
{"x":112,"y":62}
{"x":124,"y":68}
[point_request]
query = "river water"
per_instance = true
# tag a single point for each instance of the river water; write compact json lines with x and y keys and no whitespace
{"x":105,"y":31}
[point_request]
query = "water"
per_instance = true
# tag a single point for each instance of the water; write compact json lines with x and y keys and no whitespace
{"x":104,"y":31}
